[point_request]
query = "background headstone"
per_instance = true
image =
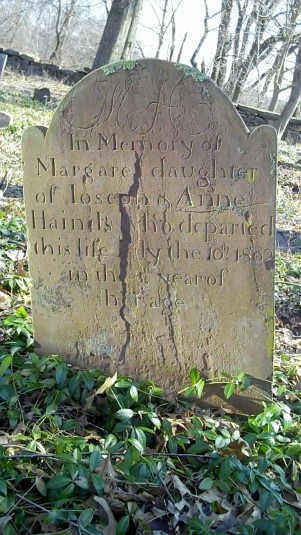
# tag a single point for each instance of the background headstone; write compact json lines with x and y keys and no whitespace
{"x":151,"y":213}
{"x":3,"y":59}
{"x":5,"y":119}
{"x":42,"y":94}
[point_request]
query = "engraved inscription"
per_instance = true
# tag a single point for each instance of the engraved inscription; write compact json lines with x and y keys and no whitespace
{"x":151,"y":219}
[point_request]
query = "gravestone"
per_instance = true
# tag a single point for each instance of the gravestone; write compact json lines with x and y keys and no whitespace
{"x":151,"y":216}
{"x":3,"y":59}
{"x":5,"y":119}
{"x":42,"y":94}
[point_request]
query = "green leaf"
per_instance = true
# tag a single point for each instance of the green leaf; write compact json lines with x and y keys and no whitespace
{"x":88,"y":380}
{"x":61,"y":373}
{"x":124,"y":414}
{"x":86,"y":517}
{"x":293,"y":449}
{"x":287,"y":421}
{"x":13,"y":416}
{"x":3,"y":487}
{"x":58,"y":482}
{"x":222,"y":442}
{"x":206,"y":484}
{"x":66,"y":492}
{"x":134,"y":395}
{"x":52,"y":408}
{"x":82,"y":482}
{"x":222,"y":485}
{"x":199,"y":388}
{"x":98,"y":482}
{"x":41,"y":486}
{"x":110,"y":441}
{"x":95,"y":459}
{"x":229,"y":390}
{"x":139,"y":435}
{"x":194,"y":375}
{"x":167,"y":427}
{"x":128,"y":459}
{"x":123,"y":525}
{"x":225,"y":470}
{"x":136,"y":444}
{"x":265,"y":500}
{"x":189,"y":392}
{"x":154,"y":418}
{"x":5,"y":364}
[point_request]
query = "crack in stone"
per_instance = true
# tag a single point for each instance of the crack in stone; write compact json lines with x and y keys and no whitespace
{"x":161,"y":348}
{"x":170,"y":325}
{"x":124,"y":245}
{"x":168,"y":317}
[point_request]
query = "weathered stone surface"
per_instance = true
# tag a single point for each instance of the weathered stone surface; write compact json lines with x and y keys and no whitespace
{"x":151,"y":213}
{"x":5,"y":119}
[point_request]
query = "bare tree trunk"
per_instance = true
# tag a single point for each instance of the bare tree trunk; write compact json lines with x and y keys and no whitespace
{"x":222,"y":48}
{"x":57,"y":31}
{"x":62,"y":23}
{"x":162,"y":28}
{"x":119,"y":30}
{"x":294,"y":98}
{"x":279,"y":72}
{"x":181,"y":48}
{"x":202,"y":40}
{"x":130,"y":40}
{"x":173,"y":38}
{"x":292,"y":14}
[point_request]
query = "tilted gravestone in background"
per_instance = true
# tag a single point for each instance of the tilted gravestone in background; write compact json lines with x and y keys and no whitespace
{"x":151,"y":213}
{"x":3,"y":59}
{"x":5,"y":118}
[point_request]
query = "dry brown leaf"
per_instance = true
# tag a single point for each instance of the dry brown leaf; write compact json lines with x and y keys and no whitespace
{"x":20,"y":269}
{"x":177,"y":484}
{"x":240,"y":449}
{"x":144,"y":516}
{"x":109,"y":382}
{"x":106,"y":515}
{"x":19,"y":429}
{"x":117,"y":506}
{"x":211,"y":495}
{"x":106,"y":468}
{"x":249,"y":514}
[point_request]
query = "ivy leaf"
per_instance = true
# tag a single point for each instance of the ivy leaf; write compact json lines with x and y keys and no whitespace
{"x":123,"y":525}
{"x":86,"y":517}
{"x":194,"y":375}
{"x":5,"y":363}
{"x":124,"y":414}
{"x":206,"y":484}
{"x":229,"y":390}
{"x":58,"y":482}
{"x":134,"y":395}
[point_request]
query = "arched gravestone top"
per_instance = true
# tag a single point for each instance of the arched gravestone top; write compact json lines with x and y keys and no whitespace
{"x":150,"y":210}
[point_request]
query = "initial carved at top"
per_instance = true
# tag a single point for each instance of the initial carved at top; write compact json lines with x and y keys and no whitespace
{"x":139,"y":103}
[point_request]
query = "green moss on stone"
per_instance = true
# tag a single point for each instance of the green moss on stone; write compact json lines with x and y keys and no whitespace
{"x":190,"y":71}
{"x":118,"y":65}
{"x":252,"y":175}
